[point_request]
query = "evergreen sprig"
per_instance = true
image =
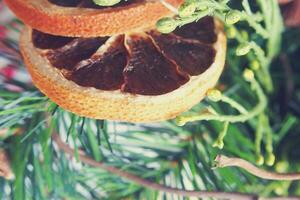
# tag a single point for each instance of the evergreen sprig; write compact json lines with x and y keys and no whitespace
{"x":164,"y":153}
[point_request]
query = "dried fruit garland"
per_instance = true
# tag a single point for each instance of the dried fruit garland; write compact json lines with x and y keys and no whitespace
{"x":267,"y":25}
{"x":138,"y":75}
{"x":216,"y":95}
{"x":68,"y":89}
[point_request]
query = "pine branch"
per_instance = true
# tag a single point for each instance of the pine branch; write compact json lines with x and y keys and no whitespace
{"x":152,"y":185}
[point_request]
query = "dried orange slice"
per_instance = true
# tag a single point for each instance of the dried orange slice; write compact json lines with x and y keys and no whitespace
{"x":137,"y":77}
{"x":82,"y":18}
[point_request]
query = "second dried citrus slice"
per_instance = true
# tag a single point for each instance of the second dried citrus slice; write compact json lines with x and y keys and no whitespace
{"x":137,"y":77}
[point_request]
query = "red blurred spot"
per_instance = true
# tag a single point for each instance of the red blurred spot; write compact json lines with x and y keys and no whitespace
{"x":8,"y":71}
{"x":2,"y":31}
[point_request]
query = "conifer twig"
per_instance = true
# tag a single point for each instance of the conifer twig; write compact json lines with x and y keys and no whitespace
{"x":156,"y":186}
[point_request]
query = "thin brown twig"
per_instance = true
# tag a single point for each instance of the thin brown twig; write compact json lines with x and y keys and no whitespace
{"x":155,"y":186}
{"x":224,"y":161}
{"x":144,"y":182}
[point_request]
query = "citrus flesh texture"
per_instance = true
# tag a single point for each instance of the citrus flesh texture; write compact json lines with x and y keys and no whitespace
{"x":145,"y":63}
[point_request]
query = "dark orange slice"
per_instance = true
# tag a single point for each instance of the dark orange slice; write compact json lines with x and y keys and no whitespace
{"x":137,"y":77}
{"x":82,"y":18}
